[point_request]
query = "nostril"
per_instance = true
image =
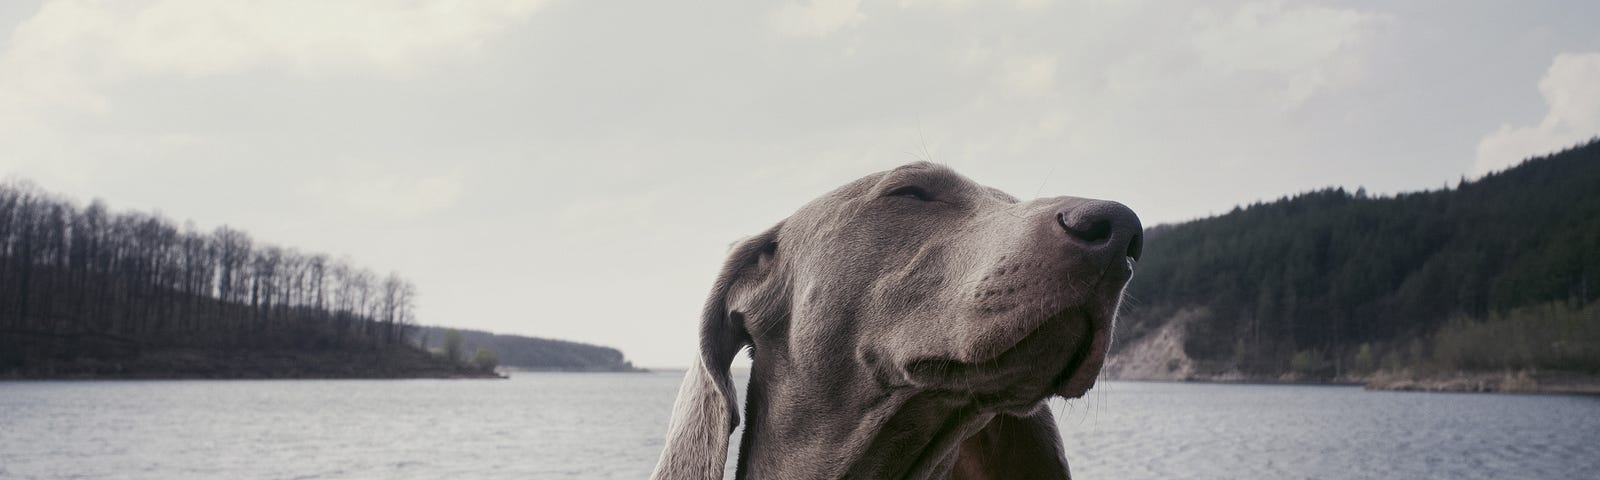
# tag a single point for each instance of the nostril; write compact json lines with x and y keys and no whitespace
{"x":1136,"y":247}
{"x":1095,"y":232}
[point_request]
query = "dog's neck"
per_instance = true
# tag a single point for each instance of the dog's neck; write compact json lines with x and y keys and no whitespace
{"x":798,"y":424}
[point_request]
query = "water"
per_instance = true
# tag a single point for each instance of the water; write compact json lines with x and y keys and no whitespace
{"x":553,"y":425}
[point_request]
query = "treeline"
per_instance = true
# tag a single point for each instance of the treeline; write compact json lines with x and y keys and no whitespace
{"x":1553,"y":336}
{"x":529,"y":353}
{"x":87,"y":281}
{"x":1330,"y":281}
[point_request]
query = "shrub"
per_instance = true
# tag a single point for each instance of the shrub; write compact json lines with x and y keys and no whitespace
{"x":452,"y":346}
{"x":1307,"y":362}
{"x":485,"y":359}
{"x":1364,"y":362}
{"x":1552,"y":336}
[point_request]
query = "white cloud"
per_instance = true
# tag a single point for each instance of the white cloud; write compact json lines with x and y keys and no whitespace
{"x":1029,"y":76}
{"x":948,"y":6}
{"x":61,"y":55}
{"x":1571,"y":88}
{"x":817,"y":18}
{"x":1308,"y":48}
{"x":1033,"y":4}
{"x":372,"y":189}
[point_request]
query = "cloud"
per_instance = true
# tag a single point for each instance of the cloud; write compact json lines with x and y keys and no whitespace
{"x":947,"y":6}
{"x":372,"y":189}
{"x":817,"y":18}
{"x":62,"y":54}
{"x":1029,"y":76}
{"x":1307,"y":48}
{"x":1571,"y":89}
{"x":1033,"y":4}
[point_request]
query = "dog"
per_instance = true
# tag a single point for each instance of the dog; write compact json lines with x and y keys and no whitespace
{"x":910,"y":324}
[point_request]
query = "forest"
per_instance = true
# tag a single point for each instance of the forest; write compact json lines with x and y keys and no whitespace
{"x":1501,"y":272}
{"x":528,"y":353}
{"x":86,"y":291}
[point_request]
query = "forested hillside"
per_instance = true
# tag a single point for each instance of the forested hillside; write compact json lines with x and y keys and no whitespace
{"x":1498,"y":273}
{"x":85,"y":291}
{"x":530,"y":353}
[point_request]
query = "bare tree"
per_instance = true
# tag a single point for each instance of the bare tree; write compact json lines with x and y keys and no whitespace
{"x":66,"y":271}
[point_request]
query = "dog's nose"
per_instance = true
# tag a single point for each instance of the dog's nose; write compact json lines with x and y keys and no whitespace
{"x":1102,"y":226}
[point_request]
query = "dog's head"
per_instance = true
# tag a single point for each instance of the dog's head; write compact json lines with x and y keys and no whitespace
{"x":924,"y":280}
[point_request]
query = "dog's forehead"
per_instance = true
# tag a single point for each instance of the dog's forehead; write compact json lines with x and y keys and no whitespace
{"x":946,"y":177}
{"x":865,"y":186}
{"x":1003,"y":196}
{"x":816,"y":218}
{"x":926,"y":169}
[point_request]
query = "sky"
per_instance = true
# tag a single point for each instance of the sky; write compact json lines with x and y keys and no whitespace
{"x":577,"y":170}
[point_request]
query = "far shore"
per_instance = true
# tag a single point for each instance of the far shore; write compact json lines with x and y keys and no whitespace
{"x":1524,"y":382}
{"x":139,"y":377}
{"x":513,"y":369}
{"x":223,"y":364}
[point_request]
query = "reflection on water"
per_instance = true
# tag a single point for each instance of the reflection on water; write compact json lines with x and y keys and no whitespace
{"x":553,"y":425}
{"x":1169,"y":430}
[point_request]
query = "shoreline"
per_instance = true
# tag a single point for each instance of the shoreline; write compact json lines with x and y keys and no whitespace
{"x":1523,"y":381}
{"x":218,"y":364}
{"x":511,"y":369}
{"x":159,"y":378}
{"x":1511,"y":382}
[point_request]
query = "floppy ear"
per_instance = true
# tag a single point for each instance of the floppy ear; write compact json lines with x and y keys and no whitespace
{"x":1013,"y":447}
{"x":707,"y":409}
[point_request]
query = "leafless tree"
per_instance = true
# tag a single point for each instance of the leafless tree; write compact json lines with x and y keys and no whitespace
{"x":67,"y":271}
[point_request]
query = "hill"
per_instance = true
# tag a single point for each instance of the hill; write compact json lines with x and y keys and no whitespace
{"x":85,"y":292}
{"x":531,"y":353}
{"x":1493,"y":276}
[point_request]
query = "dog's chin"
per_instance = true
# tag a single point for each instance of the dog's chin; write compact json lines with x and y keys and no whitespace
{"x":1060,"y":356}
{"x":1080,"y":375}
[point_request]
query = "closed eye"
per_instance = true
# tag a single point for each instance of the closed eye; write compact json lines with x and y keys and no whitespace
{"x":912,"y":192}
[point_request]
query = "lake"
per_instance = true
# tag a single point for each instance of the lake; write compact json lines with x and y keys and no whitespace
{"x":568,"y":425}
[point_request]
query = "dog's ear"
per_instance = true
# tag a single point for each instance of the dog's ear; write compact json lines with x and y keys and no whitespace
{"x":707,"y":409}
{"x":1013,"y":447}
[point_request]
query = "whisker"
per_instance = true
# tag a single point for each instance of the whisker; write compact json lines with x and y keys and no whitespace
{"x":1042,"y":182}
{"x":924,"y":143}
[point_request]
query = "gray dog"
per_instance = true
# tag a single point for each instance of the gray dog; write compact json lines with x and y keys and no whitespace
{"x":910,"y":324}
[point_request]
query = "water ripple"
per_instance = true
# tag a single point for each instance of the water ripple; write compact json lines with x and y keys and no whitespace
{"x":610,"y":426}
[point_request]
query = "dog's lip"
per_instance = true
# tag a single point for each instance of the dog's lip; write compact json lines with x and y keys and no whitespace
{"x":1084,"y":369}
{"x":943,"y":367}
{"x":1088,"y":360}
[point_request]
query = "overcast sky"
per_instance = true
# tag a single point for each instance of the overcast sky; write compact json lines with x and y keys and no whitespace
{"x":577,"y":169}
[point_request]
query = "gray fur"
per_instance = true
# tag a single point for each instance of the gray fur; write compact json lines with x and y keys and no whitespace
{"x":894,"y":336}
